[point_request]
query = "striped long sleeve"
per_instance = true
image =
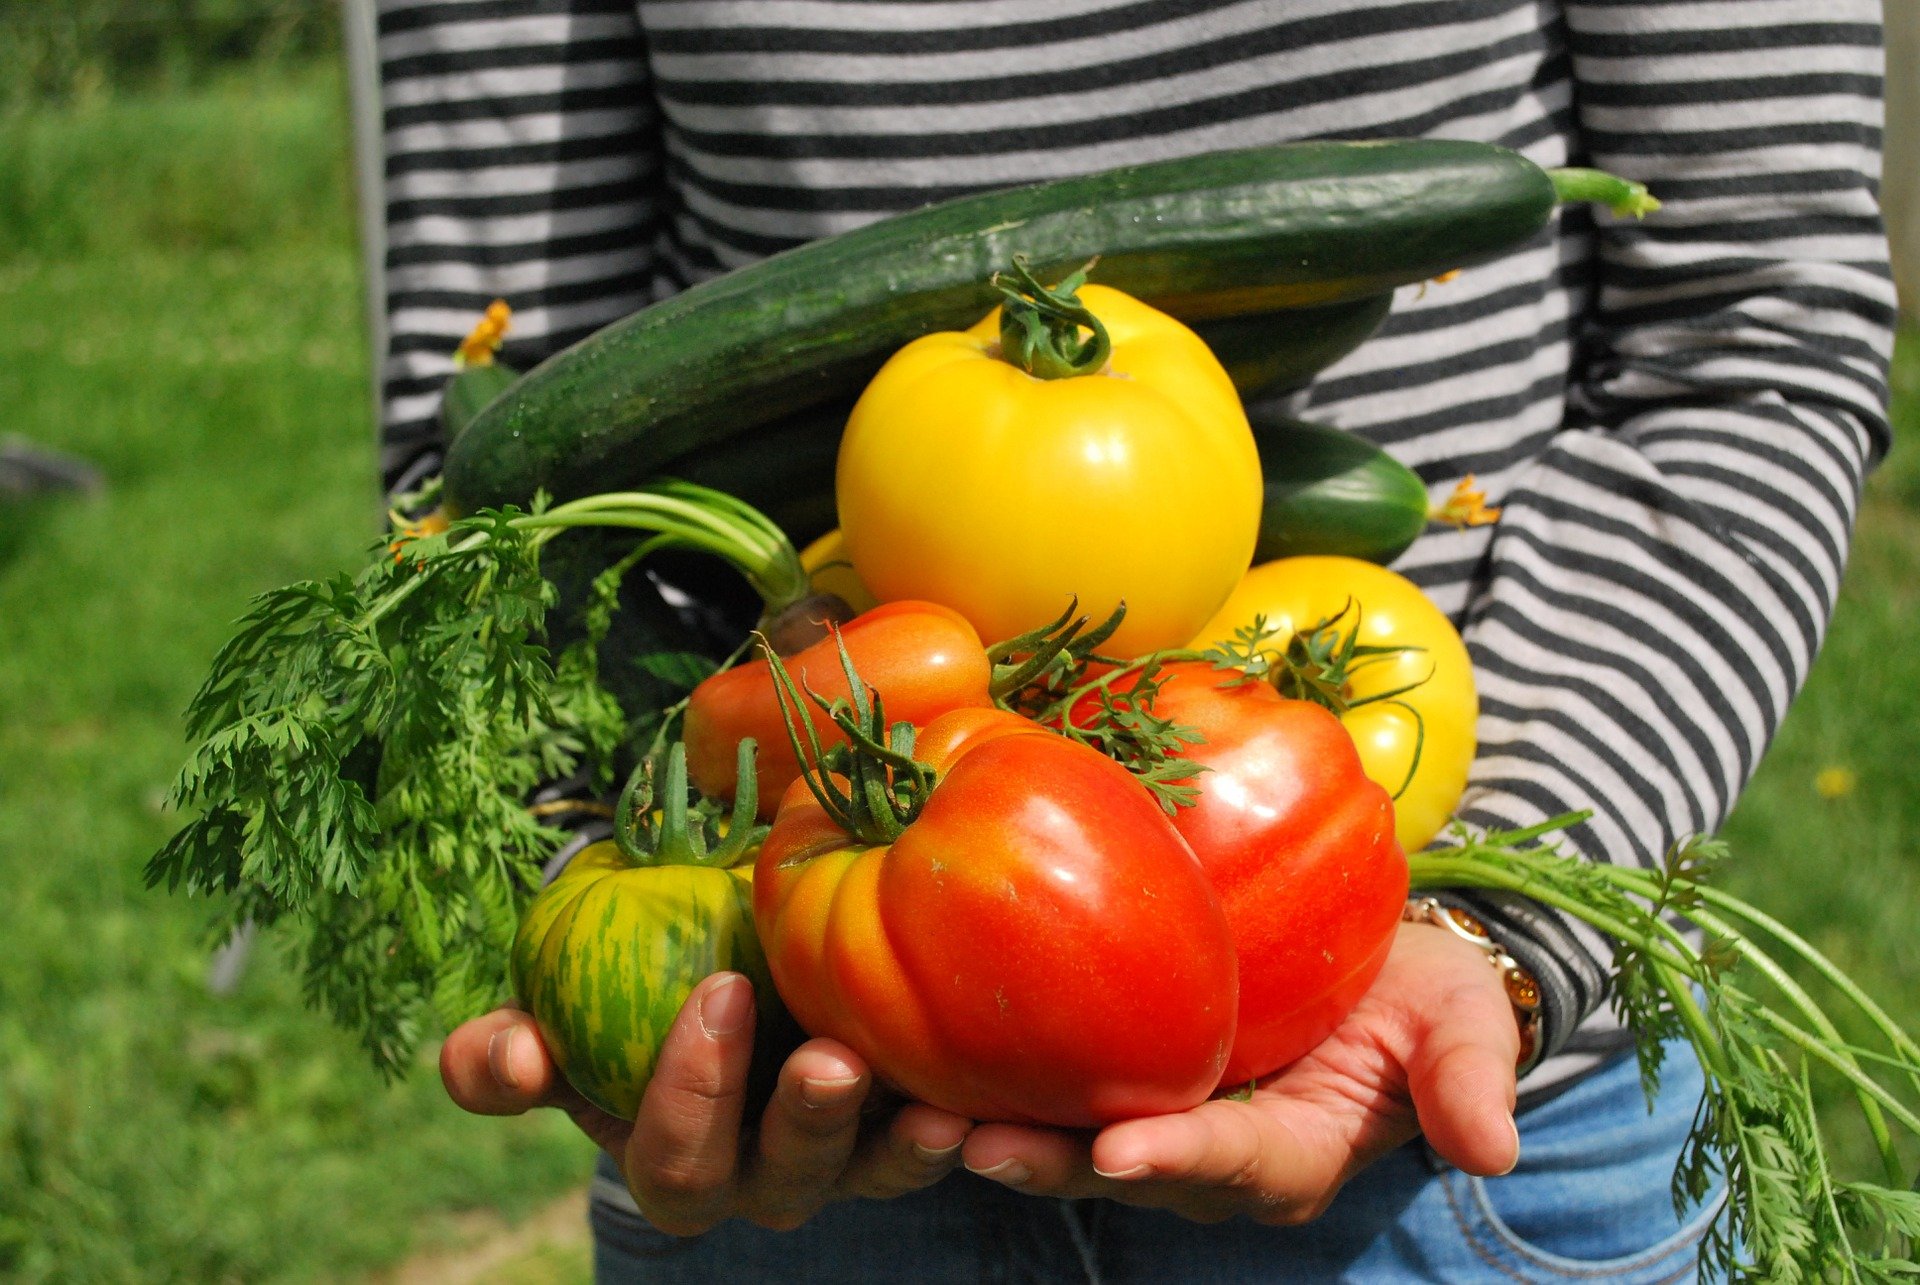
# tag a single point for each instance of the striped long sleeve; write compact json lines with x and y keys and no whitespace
{"x":1665,"y":566}
{"x":522,"y":162}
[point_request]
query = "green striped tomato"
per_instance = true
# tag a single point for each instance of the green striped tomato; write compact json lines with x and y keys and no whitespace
{"x":610,"y":950}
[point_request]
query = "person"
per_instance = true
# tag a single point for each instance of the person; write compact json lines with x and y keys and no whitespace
{"x":1674,"y":416}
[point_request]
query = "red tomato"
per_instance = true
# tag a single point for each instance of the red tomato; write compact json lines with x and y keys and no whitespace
{"x":923,"y":659}
{"x":1299,"y":845}
{"x":1039,"y":945}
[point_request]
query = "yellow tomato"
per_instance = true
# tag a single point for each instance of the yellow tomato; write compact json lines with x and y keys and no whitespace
{"x":1296,"y":594}
{"x":967,"y":481}
{"x":830,"y":570}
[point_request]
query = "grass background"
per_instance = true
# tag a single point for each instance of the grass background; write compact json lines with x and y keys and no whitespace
{"x":77,"y":51}
{"x":181,"y":300}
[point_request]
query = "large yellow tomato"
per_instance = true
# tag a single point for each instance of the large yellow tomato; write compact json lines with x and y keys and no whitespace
{"x":1296,"y":594}
{"x":965,"y":480}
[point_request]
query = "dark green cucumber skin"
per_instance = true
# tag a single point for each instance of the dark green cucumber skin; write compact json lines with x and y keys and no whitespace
{"x":784,"y":469}
{"x":470,"y":391}
{"x":1330,"y":492}
{"x":1222,"y":235}
{"x":1275,"y":352}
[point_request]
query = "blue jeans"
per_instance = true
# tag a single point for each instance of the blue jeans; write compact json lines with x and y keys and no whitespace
{"x":1588,"y":1202}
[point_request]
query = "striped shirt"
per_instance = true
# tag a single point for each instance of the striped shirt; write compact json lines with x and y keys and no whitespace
{"x":1675,"y":416}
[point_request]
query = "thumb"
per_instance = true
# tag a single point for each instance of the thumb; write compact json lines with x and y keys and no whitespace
{"x":1461,"y":1073}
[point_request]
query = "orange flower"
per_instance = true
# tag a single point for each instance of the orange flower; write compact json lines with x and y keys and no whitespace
{"x":478,"y":348}
{"x":1466,"y":507}
{"x":431,"y":523}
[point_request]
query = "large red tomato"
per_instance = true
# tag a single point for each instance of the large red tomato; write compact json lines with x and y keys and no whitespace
{"x":1038,"y":945}
{"x":923,"y":658}
{"x":1299,"y":845}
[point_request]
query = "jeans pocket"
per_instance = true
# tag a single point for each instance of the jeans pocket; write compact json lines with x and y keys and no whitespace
{"x":1656,"y":1248}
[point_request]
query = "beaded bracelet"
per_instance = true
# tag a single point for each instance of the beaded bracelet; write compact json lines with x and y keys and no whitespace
{"x":1523,"y":989}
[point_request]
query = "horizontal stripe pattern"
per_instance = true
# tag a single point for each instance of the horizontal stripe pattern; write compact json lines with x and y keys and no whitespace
{"x":1676,"y":415}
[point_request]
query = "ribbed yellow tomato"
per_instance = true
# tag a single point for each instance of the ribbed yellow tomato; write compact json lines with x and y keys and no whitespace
{"x":965,"y":480}
{"x":1297,"y":594}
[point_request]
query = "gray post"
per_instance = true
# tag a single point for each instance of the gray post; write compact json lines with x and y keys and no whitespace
{"x":360,"y":37}
{"x":1900,"y":188}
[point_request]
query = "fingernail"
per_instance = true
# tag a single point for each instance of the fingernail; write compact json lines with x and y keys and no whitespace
{"x":1010,"y":1172}
{"x":725,"y":1008}
{"x":927,"y":1155}
{"x":822,"y":1092}
{"x":500,"y":1056}
{"x":1138,"y":1171}
{"x":1513,"y":1125}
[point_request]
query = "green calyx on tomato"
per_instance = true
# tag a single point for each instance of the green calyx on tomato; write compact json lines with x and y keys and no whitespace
{"x":1418,"y":740}
{"x":1040,"y":327}
{"x":677,"y":835}
{"x":1112,"y":711}
{"x":886,"y":786}
{"x":1318,"y":664}
{"x":926,"y":657}
{"x":1063,"y":645}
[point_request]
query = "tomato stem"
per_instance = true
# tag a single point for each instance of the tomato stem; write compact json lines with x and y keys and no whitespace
{"x":1063,"y":645}
{"x":1040,"y":327}
{"x":680,"y":835}
{"x":881,"y":787}
{"x":1318,"y":664}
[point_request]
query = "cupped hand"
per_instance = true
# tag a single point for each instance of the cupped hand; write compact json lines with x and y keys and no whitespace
{"x":1430,"y":1049}
{"x":688,"y":1157}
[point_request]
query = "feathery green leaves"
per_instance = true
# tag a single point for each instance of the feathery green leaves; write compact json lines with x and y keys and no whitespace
{"x":1788,"y":1216}
{"x":366,"y":747}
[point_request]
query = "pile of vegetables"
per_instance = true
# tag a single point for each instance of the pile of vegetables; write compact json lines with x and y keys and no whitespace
{"x":1079,"y":770}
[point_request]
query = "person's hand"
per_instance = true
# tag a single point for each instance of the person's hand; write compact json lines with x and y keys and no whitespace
{"x":1431,"y":1048}
{"x":683,"y":1156}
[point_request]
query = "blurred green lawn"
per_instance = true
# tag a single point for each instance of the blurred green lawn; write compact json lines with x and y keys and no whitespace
{"x":183,"y":306}
{"x":181,"y":303}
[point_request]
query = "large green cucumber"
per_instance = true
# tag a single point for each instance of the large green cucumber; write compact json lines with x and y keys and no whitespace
{"x":1223,"y":235}
{"x":1329,"y":491}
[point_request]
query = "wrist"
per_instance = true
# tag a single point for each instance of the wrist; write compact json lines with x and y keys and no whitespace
{"x":1521,"y":986}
